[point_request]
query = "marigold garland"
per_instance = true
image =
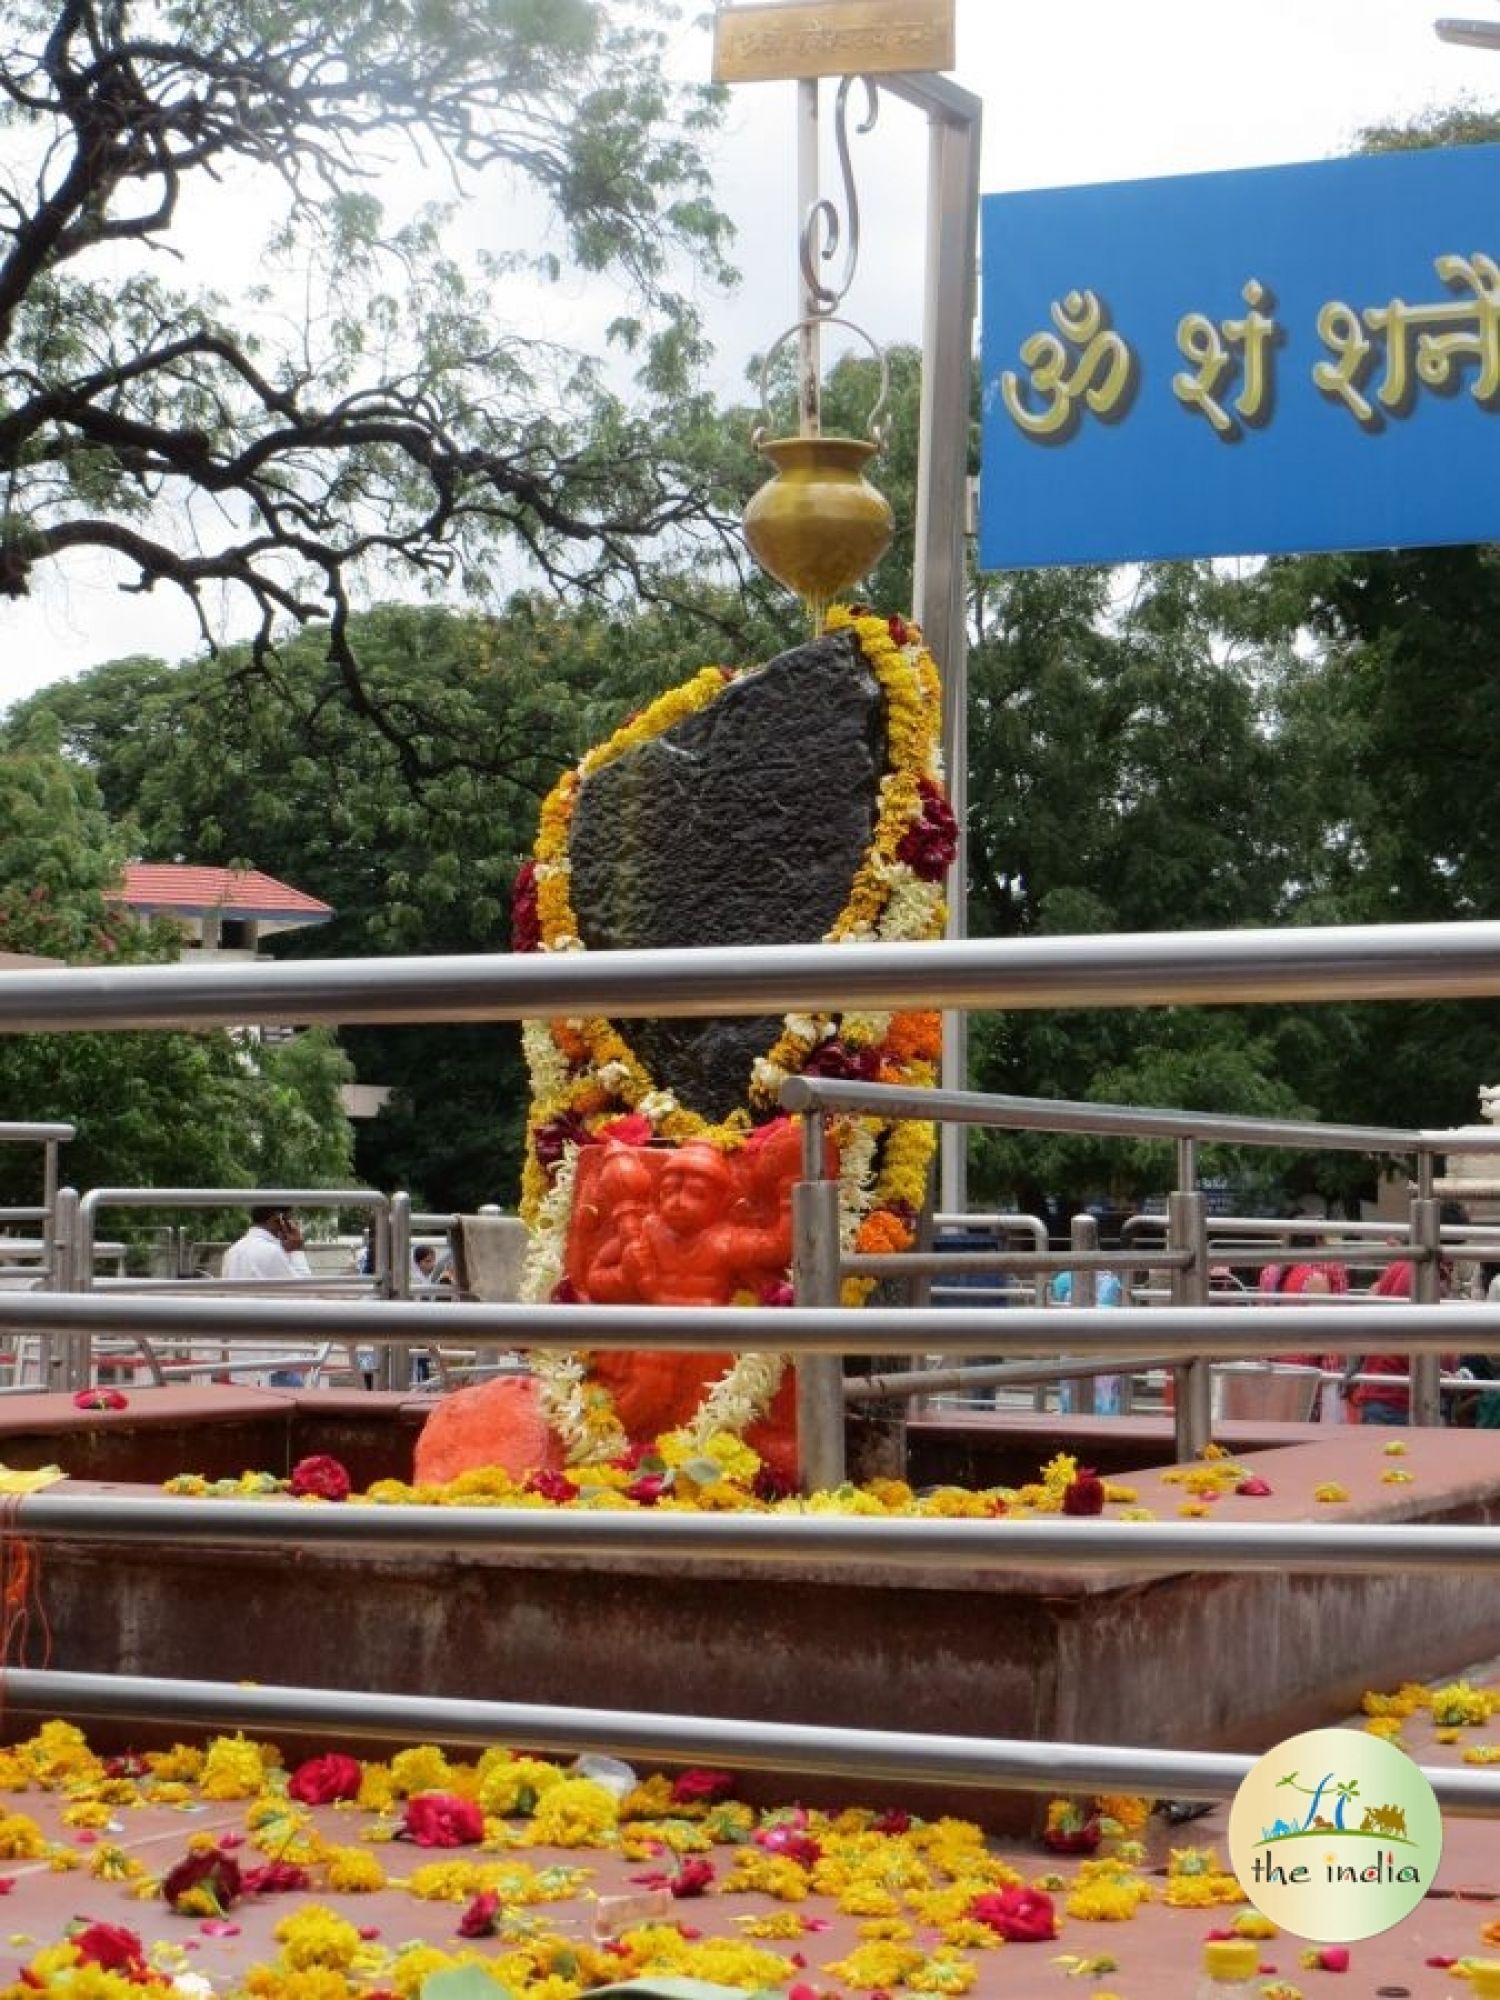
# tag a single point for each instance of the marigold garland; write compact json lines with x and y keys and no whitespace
{"x":588,"y":1083}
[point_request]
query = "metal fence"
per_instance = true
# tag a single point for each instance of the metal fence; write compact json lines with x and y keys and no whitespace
{"x":1189,"y":1333}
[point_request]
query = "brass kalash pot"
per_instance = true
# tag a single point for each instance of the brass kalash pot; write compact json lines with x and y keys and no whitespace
{"x":819,"y":525}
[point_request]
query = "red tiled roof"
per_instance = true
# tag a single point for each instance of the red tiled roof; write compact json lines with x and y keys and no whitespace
{"x":183,"y":891}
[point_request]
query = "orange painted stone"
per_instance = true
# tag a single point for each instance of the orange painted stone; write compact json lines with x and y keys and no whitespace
{"x":686,"y":1226}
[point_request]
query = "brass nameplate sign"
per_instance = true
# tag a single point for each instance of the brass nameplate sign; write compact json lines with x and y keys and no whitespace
{"x":808,"y":38}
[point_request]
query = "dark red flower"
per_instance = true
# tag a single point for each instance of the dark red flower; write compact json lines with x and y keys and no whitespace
{"x":321,"y":1780}
{"x":700,"y":1787}
{"x":931,"y":841}
{"x":769,"y":1485}
{"x":479,"y":1919}
{"x":894,"y":1821}
{"x":553,"y":1486}
{"x":1080,"y":1839}
{"x":208,"y":1869}
{"x":634,"y":1456}
{"x":776,"y":1292}
{"x":100,"y":1399}
{"x":549,"y":1141}
{"x":127,"y":1766}
{"x":900,"y":631}
{"x":791,"y":1841}
{"x":564,"y":1293}
{"x":1253,"y":1488}
{"x":832,"y":1059}
{"x":525,"y":922}
{"x":276,"y":1878}
{"x":648,"y":1489}
{"x":322,"y":1476}
{"x":1020,"y":1916}
{"x":438,"y":1819}
{"x":1084,"y":1493}
{"x":693,"y":1876}
{"x":111,"y":1947}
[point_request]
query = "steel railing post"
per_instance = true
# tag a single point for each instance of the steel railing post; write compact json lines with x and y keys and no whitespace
{"x":815,"y":1281}
{"x":1083,"y":1234}
{"x":65,"y":1358}
{"x":395,"y":1368}
{"x":1187,"y":1231}
{"x":1426,"y":1398}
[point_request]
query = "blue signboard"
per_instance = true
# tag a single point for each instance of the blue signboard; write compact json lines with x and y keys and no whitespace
{"x":1232,"y":364}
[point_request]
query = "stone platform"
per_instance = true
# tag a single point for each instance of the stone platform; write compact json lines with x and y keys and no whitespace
{"x":1189,"y":1660}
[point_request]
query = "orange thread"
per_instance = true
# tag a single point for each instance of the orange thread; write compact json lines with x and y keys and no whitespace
{"x":21,"y":1605}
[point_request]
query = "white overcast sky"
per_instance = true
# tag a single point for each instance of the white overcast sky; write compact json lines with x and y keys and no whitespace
{"x":1084,"y":90}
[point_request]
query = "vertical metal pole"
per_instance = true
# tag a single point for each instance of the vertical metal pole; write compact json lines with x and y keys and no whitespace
{"x":809,"y":345}
{"x":395,"y":1226}
{"x":65,"y":1357}
{"x":940,"y":572}
{"x":1083,"y":1232}
{"x":1187,"y":1230}
{"x":1426,"y":1397}
{"x":50,"y":1178}
{"x":815,"y":1280}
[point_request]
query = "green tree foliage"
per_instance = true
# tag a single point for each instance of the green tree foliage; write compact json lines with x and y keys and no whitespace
{"x":151,"y":1109}
{"x":399,"y":418}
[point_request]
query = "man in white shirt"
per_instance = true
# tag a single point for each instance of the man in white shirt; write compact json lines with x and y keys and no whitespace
{"x":270,"y":1249}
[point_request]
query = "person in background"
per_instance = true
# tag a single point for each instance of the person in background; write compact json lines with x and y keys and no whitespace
{"x":1485,"y":1368}
{"x":1311,"y":1281}
{"x":1382,"y":1402}
{"x":270,"y":1251}
{"x":1108,"y":1389}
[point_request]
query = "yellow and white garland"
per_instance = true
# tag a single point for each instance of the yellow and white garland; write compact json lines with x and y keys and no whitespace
{"x":586,"y":1077}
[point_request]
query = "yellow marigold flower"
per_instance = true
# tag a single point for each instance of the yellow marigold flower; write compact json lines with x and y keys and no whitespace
{"x":1460,"y":1703}
{"x":21,"y":1839}
{"x":111,"y":1863}
{"x":352,"y":1870}
{"x":1192,"y":1510}
{"x":895,"y":1929}
{"x":1483,"y":1753}
{"x":782,"y":1924}
{"x":232,"y":1769}
{"x":88,"y":1812}
{"x":576,"y":1812}
{"x":1128,"y":1812}
{"x":775,"y":1875}
{"x":944,"y":1972}
{"x":1395,"y":1477}
{"x":315,"y":1935}
{"x":1120,"y":1494}
{"x":1212,"y":1451}
{"x":376,"y":1792}
{"x":1386,"y":1726}
{"x":651,"y":1799}
{"x":1330,"y":1491}
{"x":1202,"y":1892}
{"x":867,"y":1899}
{"x":423,"y":1769}
{"x":877,"y":1965}
{"x":971,"y":1935}
{"x":416,"y":1964}
{"x":1395,"y":1449}
{"x":454,"y":1881}
{"x":57,"y":1752}
{"x":63,"y":1861}
{"x":1137,"y":1514}
{"x":1109,"y":1899}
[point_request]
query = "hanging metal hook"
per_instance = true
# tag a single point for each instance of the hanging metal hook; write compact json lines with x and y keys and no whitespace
{"x":821,"y":229}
